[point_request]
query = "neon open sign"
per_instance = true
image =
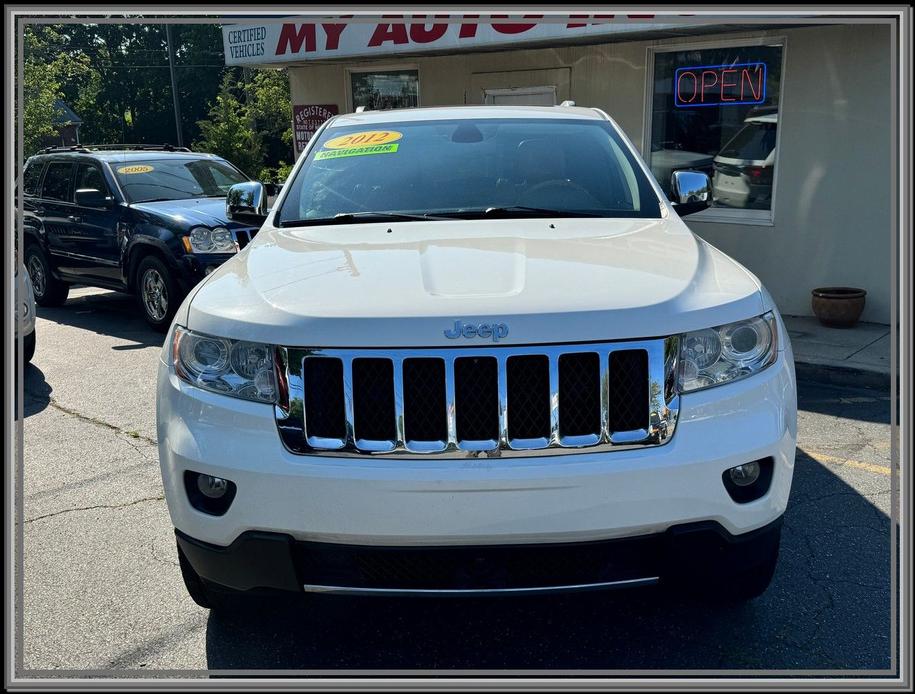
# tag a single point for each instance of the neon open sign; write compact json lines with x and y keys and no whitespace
{"x":720,"y":85}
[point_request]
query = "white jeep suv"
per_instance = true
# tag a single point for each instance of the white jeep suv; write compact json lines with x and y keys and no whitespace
{"x":475,"y":350}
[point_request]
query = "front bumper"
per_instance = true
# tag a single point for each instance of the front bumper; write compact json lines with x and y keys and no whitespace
{"x":690,"y":553}
{"x":478,"y":501}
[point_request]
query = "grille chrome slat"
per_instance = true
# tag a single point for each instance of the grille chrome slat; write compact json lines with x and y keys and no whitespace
{"x":554,"y":400}
{"x":496,"y":400}
{"x":400,"y":434}
{"x":348,"y":401}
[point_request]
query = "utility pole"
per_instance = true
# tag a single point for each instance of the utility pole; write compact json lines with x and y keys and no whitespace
{"x":171,"y":69}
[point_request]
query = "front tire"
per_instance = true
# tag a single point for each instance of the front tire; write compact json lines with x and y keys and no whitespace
{"x":49,"y":291}
{"x":157,"y":293}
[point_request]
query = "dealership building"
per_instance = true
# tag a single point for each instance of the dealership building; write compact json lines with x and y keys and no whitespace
{"x":794,"y":123}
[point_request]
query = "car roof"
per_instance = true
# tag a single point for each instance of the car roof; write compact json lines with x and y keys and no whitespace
{"x":402,"y":115}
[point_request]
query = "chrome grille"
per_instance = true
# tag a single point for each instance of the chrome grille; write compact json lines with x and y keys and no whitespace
{"x":478,"y":402}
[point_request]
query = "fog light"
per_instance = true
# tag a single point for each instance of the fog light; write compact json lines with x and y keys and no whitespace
{"x":212,"y":487}
{"x":209,"y":494}
{"x":750,"y":481}
{"x":745,"y":475}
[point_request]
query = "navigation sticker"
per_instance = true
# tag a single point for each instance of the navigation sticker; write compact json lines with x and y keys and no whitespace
{"x":356,"y":151}
{"x":136,"y":169}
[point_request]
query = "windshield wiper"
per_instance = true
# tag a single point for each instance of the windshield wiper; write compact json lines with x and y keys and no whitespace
{"x":516,"y":211}
{"x":356,"y":217}
{"x":524,"y":210}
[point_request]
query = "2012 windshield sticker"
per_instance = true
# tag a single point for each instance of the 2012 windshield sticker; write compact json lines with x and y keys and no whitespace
{"x":135,"y":169}
{"x":363,"y":138}
{"x":356,"y":151}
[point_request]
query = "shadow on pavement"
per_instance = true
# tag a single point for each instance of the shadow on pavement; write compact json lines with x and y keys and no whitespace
{"x":867,"y":404}
{"x":36,"y":389}
{"x":106,"y":313}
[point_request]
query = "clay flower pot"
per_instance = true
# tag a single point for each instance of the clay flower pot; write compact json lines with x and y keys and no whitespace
{"x":838,"y":307}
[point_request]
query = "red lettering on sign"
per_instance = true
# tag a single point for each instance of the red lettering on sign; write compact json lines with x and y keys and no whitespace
{"x":395,"y":33}
{"x":468,"y":31}
{"x":514,"y":28}
{"x":420,"y":34}
{"x":680,"y":90}
{"x":707,"y":85}
{"x":745,"y":78}
{"x":725,"y":85}
{"x":332,"y":33}
{"x":292,"y":38}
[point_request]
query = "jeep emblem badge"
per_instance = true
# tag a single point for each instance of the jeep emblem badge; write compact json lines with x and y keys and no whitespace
{"x":495,"y":331}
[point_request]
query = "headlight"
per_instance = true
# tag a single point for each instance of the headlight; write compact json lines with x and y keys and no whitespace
{"x":727,"y":353}
{"x":232,"y":367}
{"x":206,"y":240}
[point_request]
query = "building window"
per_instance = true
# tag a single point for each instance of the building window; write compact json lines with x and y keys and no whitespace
{"x":385,"y":89}
{"x":716,"y":110}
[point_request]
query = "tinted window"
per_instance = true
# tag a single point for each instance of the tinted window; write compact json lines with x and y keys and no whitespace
{"x":175,"y":179}
{"x":31,"y":179}
{"x":91,"y":176}
{"x":58,"y":181}
{"x":428,"y":167}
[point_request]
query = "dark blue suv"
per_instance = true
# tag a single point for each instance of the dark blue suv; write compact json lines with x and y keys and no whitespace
{"x":150,"y":220}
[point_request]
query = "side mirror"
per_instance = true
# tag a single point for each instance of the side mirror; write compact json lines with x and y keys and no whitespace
{"x":247,"y":202}
{"x":90,"y":197}
{"x":690,"y":191}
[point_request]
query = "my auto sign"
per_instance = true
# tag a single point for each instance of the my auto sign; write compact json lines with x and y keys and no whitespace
{"x":282,"y":42}
{"x":307,"y":119}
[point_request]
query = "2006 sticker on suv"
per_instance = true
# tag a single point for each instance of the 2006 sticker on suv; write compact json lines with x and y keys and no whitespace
{"x":343,"y":408}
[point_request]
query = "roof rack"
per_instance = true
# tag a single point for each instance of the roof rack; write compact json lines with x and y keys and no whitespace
{"x":97,"y":148}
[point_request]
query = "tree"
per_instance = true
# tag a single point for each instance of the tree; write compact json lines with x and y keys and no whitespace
{"x":229,"y":130}
{"x":46,"y":66}
{"x":251,"y":123}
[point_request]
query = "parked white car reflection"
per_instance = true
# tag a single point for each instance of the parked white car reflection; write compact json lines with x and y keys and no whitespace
{"x":744,"y":166}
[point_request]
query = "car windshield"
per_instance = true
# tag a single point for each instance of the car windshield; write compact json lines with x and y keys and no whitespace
{"x":461,"y":168}
{"x":175,"y":178}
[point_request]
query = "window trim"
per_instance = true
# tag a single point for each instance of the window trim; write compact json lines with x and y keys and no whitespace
{"x":720,"y":215}
{"x":385,"y":67}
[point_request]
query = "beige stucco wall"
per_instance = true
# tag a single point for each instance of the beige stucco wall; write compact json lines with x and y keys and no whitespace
{"x":832,"y":210}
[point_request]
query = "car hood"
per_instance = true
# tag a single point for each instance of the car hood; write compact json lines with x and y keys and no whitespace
{"x":405,"y":284}
{"x":187,"y":213}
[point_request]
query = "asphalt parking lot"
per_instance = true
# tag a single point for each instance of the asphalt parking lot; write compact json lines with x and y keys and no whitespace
{"x":102,"y":589}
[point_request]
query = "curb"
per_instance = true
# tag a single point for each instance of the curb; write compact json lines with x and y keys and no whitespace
{"x":843,"y":376}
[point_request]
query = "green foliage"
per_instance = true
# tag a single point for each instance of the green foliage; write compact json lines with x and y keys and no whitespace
{"x":250,"y":124}
{"x":228,"y":131}
{"x":46,"y":67}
